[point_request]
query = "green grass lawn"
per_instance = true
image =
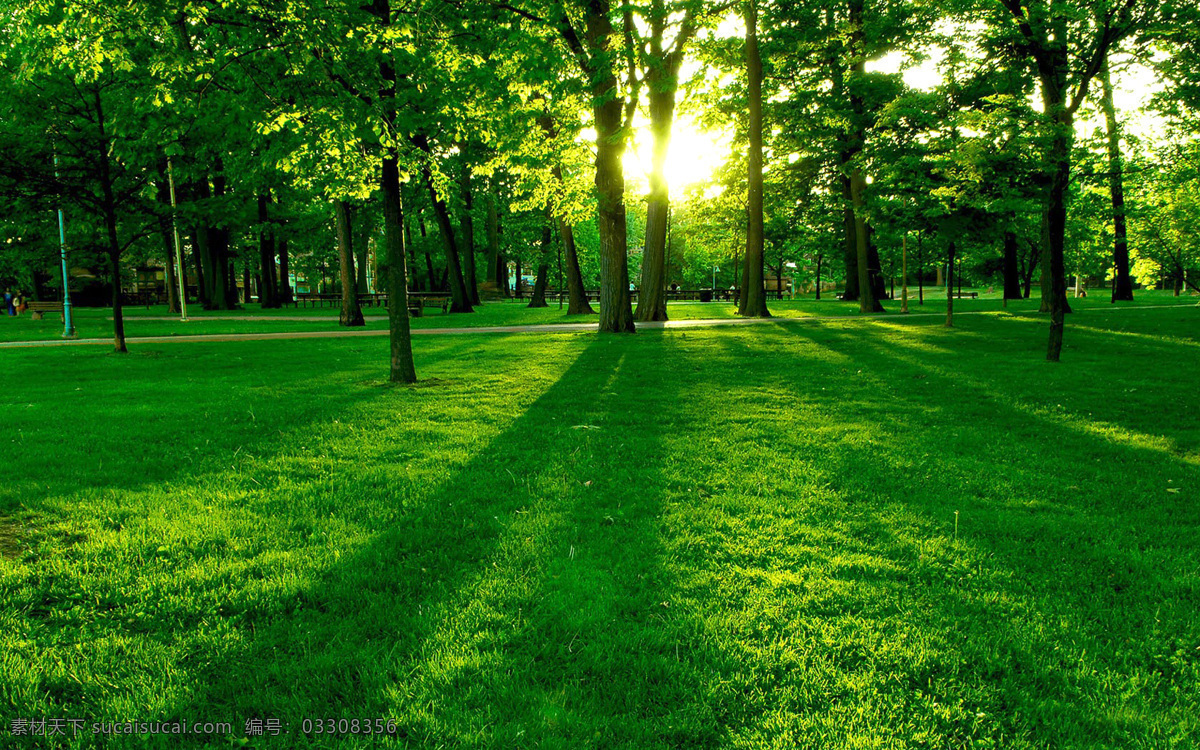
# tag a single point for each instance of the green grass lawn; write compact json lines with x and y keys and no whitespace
{"x":96,"y":323}
{"x":848,"y":534}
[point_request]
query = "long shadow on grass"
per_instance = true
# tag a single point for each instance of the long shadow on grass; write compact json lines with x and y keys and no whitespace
{"x":523,"y":602}
{"x":1053,"y":607}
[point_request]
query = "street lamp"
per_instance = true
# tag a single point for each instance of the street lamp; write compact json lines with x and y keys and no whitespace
{"x":715,"y":269}
{"x":178,"y":248}
{"x":68,"y":322}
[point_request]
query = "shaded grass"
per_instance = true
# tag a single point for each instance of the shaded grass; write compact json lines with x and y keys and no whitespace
{"x":858,"y":534}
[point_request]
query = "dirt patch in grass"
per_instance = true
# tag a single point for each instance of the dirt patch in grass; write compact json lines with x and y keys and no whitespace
{"x":12,"y":538}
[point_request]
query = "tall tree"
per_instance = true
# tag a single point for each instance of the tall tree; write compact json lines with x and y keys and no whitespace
{"x":752,"y":297}
{"x":1067,"y":42}
{"x":351,"y":314}
{"x":662,"y":84}
{"x":1122,"y":289}
{"x":596,"y":51}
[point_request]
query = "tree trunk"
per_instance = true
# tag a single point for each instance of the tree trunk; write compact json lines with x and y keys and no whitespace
{"x":351,"y":314}
{"x":1044,"y":264}
{"x":920,"y":271}
{"x":110,"y":225}
{"x":497,"y":268}
{"x":431,"y":282}
{"x":362,"y":239}
{"x":402,"y":368}
{"x":466,"y":225}
{"x":285,"y":283}
{"x":867,"y":303}
{"x":616,"y":311}
{"x":950,"y":285}
{"x":460,"y":298}
{"x":1033,"y":261}
{"x":267,"y":297}
{"x":663,"y":82}
{"x":577,"y":301}
{"x":199,"y":252}
{"x":168,"y":241}
{"x":538,"y":297}
{"x":752,"y":298}
{"x":214,"y":254}
{"x":1012,"y":275}
{"x":845,"y":154}
{"x":1056,"y":224}
{"x":412,"y":255}
{"x":819,"y":256}
{"x":1122,"y":289}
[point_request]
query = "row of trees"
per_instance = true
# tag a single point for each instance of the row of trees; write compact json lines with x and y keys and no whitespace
{"x":415,"y":123}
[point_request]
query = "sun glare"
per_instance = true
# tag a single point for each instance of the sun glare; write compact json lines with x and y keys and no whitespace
{"x":694,"y":155}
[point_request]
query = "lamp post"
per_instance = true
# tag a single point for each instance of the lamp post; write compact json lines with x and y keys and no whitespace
{"x":715,"y":269}
{"x":68,"y":321}
{"x":178,"y":248}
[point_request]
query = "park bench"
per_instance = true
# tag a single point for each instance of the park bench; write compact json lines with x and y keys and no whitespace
{"x":418,"y":303}
{"x":972,"y":295}
{"x":41,"y":308}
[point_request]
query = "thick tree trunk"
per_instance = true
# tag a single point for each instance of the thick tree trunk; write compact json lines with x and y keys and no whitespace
{"x":752,"y":298}
{"x":1012,"y":274}
{"x":1122,"y":289}
{"x":845,"y":154}
{"x":351,"y":314}
{"x":267,"y":296}
{"x":402,"y":368}
{"x":867,"y":302}
{"x":1056,"y":224}
{"x":652,"y":298}
{"x":214,"y":254}
{"x":616,"y":310}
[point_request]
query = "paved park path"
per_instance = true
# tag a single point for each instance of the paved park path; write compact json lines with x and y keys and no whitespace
{"x":467,"y":330}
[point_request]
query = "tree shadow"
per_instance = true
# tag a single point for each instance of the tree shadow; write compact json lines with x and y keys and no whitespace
{"x":498,"y":608}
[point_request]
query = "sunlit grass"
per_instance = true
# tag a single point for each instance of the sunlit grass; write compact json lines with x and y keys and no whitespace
{"x":95,"y":323}
{"x":876,"y":533}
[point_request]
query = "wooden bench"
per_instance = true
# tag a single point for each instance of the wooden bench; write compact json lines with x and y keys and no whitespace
{"x":418,"y":303}
{"x":41,"y":308}
{"x":972,"y":295}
